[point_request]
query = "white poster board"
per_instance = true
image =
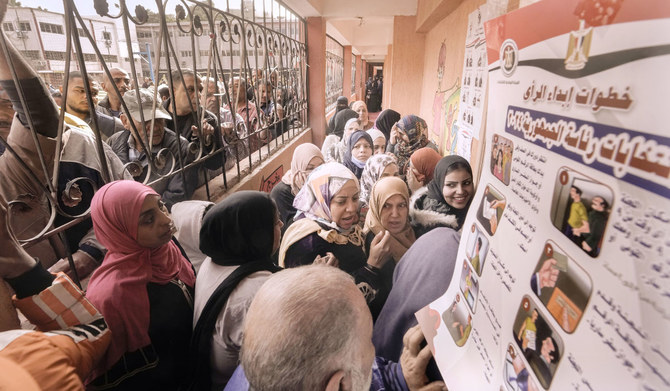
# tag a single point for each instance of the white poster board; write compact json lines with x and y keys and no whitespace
{"x":563,"y":271}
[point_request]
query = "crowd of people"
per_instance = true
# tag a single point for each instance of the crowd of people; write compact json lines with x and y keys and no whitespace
{"x":303,"y":288}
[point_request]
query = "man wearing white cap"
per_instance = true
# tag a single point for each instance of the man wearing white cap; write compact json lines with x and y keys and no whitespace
{"x":166,"y":148}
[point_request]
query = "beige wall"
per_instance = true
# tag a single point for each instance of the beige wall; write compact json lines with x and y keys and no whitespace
{"x":451,"y":30}
{"x":262,"y":177}
{"x":407,"y":58}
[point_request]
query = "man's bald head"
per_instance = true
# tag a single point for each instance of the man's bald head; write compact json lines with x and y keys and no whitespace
{"x":305,"y":325}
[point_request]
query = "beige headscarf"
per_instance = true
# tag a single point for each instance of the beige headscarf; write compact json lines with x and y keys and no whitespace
{"x":302,"y":155}
{"x":384,"y":189}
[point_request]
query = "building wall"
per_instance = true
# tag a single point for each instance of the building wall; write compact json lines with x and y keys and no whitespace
{"x":452,"y":31}
{"x":262,"y":178}
{"x":403,"y":90}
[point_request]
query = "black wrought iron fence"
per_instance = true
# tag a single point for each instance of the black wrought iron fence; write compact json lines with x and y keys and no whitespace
{"x":241,"y":69}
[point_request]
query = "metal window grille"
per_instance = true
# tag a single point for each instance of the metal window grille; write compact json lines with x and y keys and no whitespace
{"x":334,"y":72}
{"x":261,"y":41}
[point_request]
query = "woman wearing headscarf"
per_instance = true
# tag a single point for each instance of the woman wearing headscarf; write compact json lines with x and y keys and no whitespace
{"x":341,"y":119}
{"x":143,"y":288}
{"x":377,"y":167}
{"x":358,"y":152}
{"x":334,"y":150}
{"x":385,"y":121}
{"x":446,"y":199}
{"x":187,"y":218}
{"x":389,"y":211}
{"x":306,"y":157}
{"x":326,"y":228}
{"x":378,"y":139}
{"x":408,"y":135}
{"x":239,"y":236}
{"x":334,"y":146}
{"x":362,"y":110}
{"x":421,"y":168}
{"x":342,"y":103}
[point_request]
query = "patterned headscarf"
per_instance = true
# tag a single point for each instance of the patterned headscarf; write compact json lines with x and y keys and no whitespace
{"x":416,"y":130}
{"x":373,"y":170}
{"x":313,"y":200}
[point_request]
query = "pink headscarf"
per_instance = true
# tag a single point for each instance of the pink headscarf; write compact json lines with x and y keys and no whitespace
{"x":118,"y":287}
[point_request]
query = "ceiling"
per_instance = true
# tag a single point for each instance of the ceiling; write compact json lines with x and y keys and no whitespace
{"x":366,"y":25}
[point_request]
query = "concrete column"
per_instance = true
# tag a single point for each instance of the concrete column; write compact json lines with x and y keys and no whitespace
{"x":346,"y":77}
{"x":316,"y":76}
{"x":364,"y":76}
{"x":388,"y":78}
{"x":407,"y":54}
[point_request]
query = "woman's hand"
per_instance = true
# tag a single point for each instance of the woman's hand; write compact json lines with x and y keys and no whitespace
{"x":380,"y":249}
{"x":329,"y":259}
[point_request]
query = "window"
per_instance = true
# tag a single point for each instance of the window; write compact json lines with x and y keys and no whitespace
{"x":106,"y":35}
{"x":110,"y":58}
{"x":8,"y":26}
{"x":144,"y":34}
{"x":186,"y":53}
{"x":24,"y":26}
{"x":81,"y":32}
{"x":182,"y":34}
{"x":60,"y":56}
{"x":31,"y":54}
{"x":50,"y":28}
{"x":204,"y":53}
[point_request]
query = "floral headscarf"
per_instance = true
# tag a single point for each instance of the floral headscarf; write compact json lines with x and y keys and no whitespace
{"x":313,"y":200}
{"x":373,"y":170}
{"x":416,"y":130}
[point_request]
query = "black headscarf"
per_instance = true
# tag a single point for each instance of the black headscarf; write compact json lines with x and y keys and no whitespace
{"x":341,"y":119}
{"x":342,"y":103}
{"x":239,"y":229}
{"x":435,"y":186}
{"x":353,"y":139}
{"x":385,"y":121}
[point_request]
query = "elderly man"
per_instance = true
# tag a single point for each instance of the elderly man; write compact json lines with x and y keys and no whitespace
{"x":130,"y":144}
{"x":188,"y":112}
{"x":111,"y":104}
{"x":76,"y":104}
{"x":309,"y":328}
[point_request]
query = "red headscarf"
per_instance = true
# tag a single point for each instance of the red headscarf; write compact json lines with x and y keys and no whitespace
{"x":118,"y":287}
{"x":425,"y":160}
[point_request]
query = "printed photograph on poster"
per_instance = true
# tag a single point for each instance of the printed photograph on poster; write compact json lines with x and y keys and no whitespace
{"x":580,"y":209}
{"x":562,"y":286}
{"x":491,"y":209}
{"x":502,"y":152}
{"x":458,"y":320}
{"x":515,"y":373}
{"x":477,"y":248}
{"x":540,"y":344}
{"x":469,"y":285}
